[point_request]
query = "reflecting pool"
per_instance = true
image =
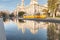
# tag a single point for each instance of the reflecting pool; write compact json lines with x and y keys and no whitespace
{"x":31,"y":30}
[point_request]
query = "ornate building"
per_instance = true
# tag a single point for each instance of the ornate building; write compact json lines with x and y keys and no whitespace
{"x":31,"y":9}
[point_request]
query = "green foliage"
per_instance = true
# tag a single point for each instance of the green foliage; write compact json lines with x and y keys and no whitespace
{"x":21,"y":21}
{"x":52,"y":4}
{"x":4,"y":14}
{"x":11,"y":15}
{"x":20,"y":14}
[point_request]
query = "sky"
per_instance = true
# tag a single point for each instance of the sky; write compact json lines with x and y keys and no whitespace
{"x":11,"y":4}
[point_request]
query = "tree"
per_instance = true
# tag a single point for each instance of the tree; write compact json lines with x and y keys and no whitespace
{"x":52,"y":6}
{"x":4,"y":15}
{"x":20,"y":14}
{"x":12,"y":15}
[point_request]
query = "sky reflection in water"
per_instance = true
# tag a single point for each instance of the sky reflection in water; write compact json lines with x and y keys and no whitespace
{"x":13,"y":33}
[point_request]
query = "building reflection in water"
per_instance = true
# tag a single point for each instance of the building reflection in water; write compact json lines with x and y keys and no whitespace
{"x":53,"y":29}
{"x":33,"y":26}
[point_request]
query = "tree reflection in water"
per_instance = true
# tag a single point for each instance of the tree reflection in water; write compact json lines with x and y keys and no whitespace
{"x":53,"y":31}
{"x":4,"y":19}
{"x":22,"y":21}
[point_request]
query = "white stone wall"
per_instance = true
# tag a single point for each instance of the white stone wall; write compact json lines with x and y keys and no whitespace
{"x":30,"y":10}
{"x":2,"y":31}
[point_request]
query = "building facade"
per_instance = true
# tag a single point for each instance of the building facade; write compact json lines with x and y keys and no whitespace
{"x":31,"y":9}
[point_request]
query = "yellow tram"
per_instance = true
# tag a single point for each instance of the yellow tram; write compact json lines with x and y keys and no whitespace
{"x":35,"y":16}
